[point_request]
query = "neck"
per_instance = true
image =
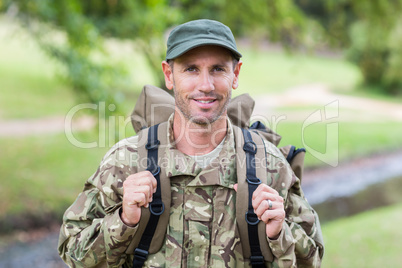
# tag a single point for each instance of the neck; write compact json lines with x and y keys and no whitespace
{"x":196,"y":139}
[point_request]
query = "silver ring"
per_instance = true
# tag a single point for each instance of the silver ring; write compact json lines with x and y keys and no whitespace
{"x":269,"y":204}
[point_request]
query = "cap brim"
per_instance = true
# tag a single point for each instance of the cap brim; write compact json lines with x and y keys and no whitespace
{"x":187,"y":46}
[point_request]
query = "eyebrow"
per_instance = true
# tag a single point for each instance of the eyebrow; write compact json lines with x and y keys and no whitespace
{"x":219,"y":65}
{"x":190,"y":65}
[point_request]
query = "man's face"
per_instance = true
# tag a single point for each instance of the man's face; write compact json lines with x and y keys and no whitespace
{"x":202,"y":80}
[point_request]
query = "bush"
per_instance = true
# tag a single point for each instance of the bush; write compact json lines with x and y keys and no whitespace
{"x":392,"y":76}
{"x":378,"y":54}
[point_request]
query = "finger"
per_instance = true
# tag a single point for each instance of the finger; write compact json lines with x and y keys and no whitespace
{"x":235,"y":187}
{"x":148,"y":179}
{"x":264,"y":188}
{"x":273,"y":215}
{"x":264,"y":206}
{"x":145,"y":189}
{"x":265,"y":196}
{"x":137,"y":199}
{"x":272,"y":197}
{"x":154,"y":183}
{"x":141,"y":178}
{"x":141,"y":175}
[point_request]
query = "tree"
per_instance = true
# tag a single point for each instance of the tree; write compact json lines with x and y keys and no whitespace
{"x":371,"y":33}
{"x":73,"y":33}
{"x":369,"y":29}
{"x":84,"y":25}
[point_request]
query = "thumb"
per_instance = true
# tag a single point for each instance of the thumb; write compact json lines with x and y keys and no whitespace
{"x":235,"y":187}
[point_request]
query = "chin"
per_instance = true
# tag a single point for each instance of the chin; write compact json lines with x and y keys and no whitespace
{"x":205,"y":120}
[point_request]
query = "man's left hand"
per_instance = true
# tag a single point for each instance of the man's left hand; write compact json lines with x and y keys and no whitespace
{"x":274,"y":216}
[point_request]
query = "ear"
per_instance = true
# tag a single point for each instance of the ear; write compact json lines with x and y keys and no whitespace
{"x":236,"y":72}
{"x":168,"y":73}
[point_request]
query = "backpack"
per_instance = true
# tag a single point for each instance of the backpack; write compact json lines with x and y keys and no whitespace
{"x":149,"y":118}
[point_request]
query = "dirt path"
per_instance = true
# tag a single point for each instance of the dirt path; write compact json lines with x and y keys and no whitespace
{"x":46,"y":125}
{"x":350,"y":108}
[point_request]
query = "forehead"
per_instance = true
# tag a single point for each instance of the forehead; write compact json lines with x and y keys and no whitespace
{"x":206,"y":53}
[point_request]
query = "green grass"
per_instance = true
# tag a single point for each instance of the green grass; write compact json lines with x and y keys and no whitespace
{"x":272,"y":72}
{"x":355,"y":139}
{"x":44,"y":173}
{"x":370,"y":239}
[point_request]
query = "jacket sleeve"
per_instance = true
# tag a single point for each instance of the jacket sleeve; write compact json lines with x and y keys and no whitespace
{"x":304,"y":225}
{"x":300,"y":243}
{"x":92,"y":233}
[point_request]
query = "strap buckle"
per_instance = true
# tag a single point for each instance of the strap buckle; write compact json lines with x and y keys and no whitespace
{"x":251,"y":218}
{"x":256,"y":260}
{"x":155,"y":171}
{"x":250,"y":147}
{"x":253,"y":180}
{"x":140,"y":254}
{"x":151,"y":145}
{"x":157,"y":209}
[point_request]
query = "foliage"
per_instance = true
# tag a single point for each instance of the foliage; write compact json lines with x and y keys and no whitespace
{"x":26,"y":76}
{"x":371,"y":30}
{"x":77,"y":45}
{"x":73,"y":31}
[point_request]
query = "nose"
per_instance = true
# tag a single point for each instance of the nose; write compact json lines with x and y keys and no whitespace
{"x":205,"y":82}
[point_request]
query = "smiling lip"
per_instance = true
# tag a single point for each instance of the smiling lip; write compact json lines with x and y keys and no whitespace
{"x":205,"y":103}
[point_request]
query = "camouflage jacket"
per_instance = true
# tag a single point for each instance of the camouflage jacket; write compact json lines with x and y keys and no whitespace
{"x":202,"y":228}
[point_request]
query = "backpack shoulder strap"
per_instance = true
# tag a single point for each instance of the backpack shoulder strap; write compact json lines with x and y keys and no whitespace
{"x":251,"y":171}
{"x":154,"y":219}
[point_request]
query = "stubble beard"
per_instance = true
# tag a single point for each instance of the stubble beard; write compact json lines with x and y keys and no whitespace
{"x":199,"y":120}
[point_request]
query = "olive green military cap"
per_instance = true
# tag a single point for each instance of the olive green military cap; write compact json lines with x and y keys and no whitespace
{"x":198,"y":33}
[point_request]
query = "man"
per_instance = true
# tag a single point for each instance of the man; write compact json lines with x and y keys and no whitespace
{"x":202,"y":67}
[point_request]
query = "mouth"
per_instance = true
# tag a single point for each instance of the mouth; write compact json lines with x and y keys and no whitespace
{"x":205,"y":101}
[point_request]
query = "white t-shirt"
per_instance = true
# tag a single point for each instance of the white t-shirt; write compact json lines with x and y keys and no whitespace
{"x":205,"y":159}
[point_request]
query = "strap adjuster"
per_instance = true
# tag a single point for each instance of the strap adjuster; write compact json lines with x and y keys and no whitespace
{"x":157,"y":209}
{"x":140,"y":254}
{"x":256,"y":260}
{"x":151,"y":145}
{"x":251,"y":218}
{"x":253,"y":180}
{"x":250,"y":147}
{"x":154,"y":171}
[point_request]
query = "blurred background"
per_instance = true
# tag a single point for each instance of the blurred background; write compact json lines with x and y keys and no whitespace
{"x":326,"y":75}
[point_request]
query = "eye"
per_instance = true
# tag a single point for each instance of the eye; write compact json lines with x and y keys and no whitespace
{"x":191,"y":69}
{"x":218,"y":69}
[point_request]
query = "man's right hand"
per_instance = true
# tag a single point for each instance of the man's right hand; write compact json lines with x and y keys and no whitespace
{"x":137,"y":192}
